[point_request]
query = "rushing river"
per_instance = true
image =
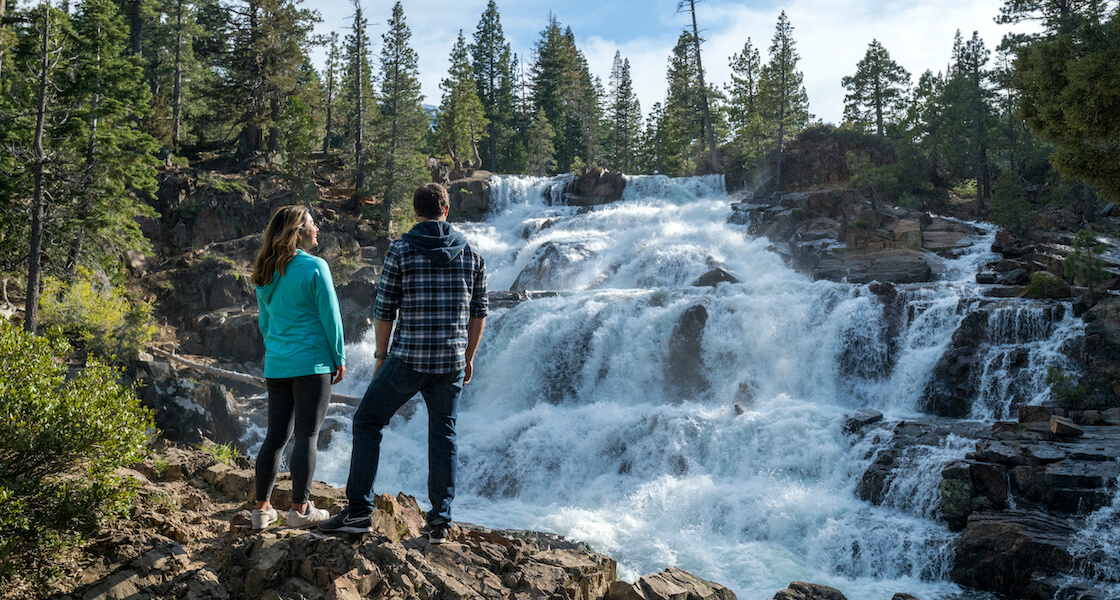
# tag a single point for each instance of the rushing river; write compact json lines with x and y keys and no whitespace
{"x":577,"y":423}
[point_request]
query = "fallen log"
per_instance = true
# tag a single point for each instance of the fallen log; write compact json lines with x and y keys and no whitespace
{"x":239,"y":377}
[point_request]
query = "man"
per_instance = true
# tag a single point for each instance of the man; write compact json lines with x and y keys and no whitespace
{"x":437,"y":282}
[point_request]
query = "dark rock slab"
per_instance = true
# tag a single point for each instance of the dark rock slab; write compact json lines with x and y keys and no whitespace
{"x":1013,"y":552}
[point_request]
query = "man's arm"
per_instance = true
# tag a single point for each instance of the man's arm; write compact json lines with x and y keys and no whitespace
{"x":382,"y":331}
{"x":474,"y":335}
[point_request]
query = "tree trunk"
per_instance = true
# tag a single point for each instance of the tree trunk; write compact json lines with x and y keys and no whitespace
{"x":137,"y":27}
{"x":34,"y":257}
{"x":704,"y":92}
{"x":273,"y":128}
{"x":391,"y":170}
{"x":330,"y":94}
{"x":781,"y":121}
{"x":84,"y":204}
{"x":177,"y":92}
{"x":3,"y":9}
{"x":360,"y":176}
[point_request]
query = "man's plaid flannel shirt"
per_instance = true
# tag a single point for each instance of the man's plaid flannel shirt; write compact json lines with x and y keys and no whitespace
{"x":435,"y":304}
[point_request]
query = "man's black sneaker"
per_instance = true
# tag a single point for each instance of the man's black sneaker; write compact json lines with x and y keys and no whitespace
{"x":438,"y":533}
{"x":348,"y":521}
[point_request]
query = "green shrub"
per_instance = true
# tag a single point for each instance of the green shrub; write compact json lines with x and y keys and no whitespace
{"x":1066,"y":390}
{"x":966,"y":189}
{"x":1082,"y":265}
{"x":63,"y":438}
{"x":223,"y":453}
{"x":101,"y":320}
{"x":1044,"y":284}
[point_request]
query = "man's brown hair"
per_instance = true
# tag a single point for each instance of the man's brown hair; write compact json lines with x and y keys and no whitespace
{"x":430,"y":201}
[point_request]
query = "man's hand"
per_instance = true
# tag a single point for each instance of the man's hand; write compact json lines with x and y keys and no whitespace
{"x":339,"y":371}
{"x":377,"y":367}
{"x":468,"y":371}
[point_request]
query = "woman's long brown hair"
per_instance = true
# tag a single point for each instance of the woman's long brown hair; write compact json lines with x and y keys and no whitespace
{"x":281,"y":238}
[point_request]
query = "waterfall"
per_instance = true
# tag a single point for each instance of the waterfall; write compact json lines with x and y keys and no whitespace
{"x":703,"y":427}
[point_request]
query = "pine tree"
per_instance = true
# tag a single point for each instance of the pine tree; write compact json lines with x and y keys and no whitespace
{"x":1069,"y":82}
{"x":108,"y":91}
{"x":787,"y":104}
{"x":329,"y":100}
{"x":493,"y":71}
{"x":1057,"y":16}
{"x":705,"y":102}
{"x":624,"y":118}
{"x":877,"y":90}
{"x":682,"y":126}
{"x":562,"y":86}
{"x":357,"y":94}
{"x":402,"y":124}
{"x":968,"y":118}
{"x":461,"y":120}
{"x":745,"y":104}
{"x":541,"y":151}
{"x":269,"y":42}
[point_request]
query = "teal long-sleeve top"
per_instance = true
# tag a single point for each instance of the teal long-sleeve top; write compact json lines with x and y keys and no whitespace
{"x":300,"y":321}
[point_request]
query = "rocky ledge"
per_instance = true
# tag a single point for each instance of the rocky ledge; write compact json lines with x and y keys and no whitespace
{"x":187,"y":537}
{"x":1021,"y":497}
{"x":841,"y":235}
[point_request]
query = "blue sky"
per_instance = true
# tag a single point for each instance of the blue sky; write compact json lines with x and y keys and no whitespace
{"x":831,"y":35}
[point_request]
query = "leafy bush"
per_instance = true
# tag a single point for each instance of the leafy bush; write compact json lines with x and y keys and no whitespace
{"x":100,"y":319}
{"x":1082,"y":265}
{"x":966,"y":189}
{"x":1044,"y":284}
{"x":1066,"y":389}
{"x":63,"y":439}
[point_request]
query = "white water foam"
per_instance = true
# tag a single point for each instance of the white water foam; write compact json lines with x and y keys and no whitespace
{"x":574,"y":422}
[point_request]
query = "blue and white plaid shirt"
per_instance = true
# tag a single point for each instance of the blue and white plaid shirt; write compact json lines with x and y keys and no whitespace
{"x":435,"y":304}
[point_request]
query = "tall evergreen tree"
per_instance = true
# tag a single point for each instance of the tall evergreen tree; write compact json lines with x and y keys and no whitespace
{"x":493,"y":71}
{"x":1069,"y":86}
{"x":968,"y":118}
{"x":705,"y":101}
{"x":624,"y":118}
{"x":269,"y":42}
{"x":682,"y":127}
{"x":787,"y":103}
{"x":357,"y":94}
{"x":541,"y":152}
{"x":1056,"y":16}
{"x":562,"y":86}
{"x":748,"y":124}
{"x":877,"y":90}
{"x":461,"y":117}
{"x":332,"y":75}
{"x":402,"y":124}
{"x":107,"y":91}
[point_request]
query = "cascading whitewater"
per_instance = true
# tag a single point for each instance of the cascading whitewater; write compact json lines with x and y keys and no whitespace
{"x":701,"y":427}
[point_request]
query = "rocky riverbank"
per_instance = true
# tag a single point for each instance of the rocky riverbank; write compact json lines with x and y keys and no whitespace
{"x":188,"y":537}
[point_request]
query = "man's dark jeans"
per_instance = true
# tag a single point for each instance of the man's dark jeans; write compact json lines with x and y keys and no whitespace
{"x":394,"y":384}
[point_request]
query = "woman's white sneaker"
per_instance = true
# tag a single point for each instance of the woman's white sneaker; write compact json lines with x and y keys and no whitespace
{"x":263,"y":518}
{"x":311,"y":518}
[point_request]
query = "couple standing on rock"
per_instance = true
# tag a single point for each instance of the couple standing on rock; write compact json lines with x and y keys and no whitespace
{"x":436,"y":281}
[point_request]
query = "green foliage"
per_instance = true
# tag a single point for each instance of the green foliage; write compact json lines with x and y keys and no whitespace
{"x":541,"y":157}
{"x":462,"y":121}
{"x":494,"y":76}
{"x":223,"y":453}
{"x":562,"y":86}
{"x":101,"y":320}
{"x":876,"y":92}
{"x":1044,"y":284}
{"x":966,"y":189}
{"x":624,"y":119}
{"x":65,"y":437}
{"x":1070,"y":95}
{"x":879,"y":181}
{"x":401,"y":124}
{"x":1011,"y":208}
{"x":1066,"y":389}
{"x":1082,"y":265}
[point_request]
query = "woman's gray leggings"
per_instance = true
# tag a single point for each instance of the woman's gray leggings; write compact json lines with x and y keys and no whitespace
{"x":295,"y":404}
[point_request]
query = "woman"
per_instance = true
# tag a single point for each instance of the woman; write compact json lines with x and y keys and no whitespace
{"x":303,"y":356}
